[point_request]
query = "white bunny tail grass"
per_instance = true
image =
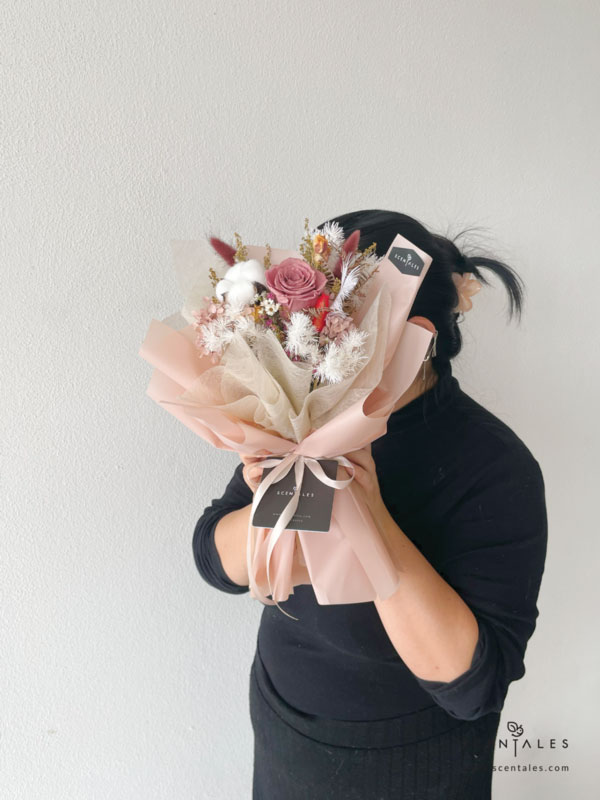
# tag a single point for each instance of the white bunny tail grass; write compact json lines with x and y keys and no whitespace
{"x":216,"y":334}
{"x":332,"y":231}
{"x":343,"y":359}
{"x":301,"y":337}
{"x":249,"y":329}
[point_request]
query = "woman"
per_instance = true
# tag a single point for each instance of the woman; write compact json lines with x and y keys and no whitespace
{"x":401,"y":698}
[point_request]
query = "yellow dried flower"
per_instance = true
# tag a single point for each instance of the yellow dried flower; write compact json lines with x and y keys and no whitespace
{"x":321,"y":246}
{"x":267,"y":257}
{"x":214,"y":279}
{"x":241,"y":253}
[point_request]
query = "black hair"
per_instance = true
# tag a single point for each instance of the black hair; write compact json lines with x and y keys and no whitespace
{"x":437,"y":295}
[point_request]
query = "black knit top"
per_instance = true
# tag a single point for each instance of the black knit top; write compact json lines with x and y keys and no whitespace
{"x":470,"y":495}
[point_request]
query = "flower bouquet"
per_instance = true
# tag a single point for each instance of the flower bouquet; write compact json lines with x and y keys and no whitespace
{"x":300,"y":355}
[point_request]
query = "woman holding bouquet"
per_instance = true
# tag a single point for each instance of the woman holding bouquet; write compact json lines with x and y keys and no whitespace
{"x":401,"y":698}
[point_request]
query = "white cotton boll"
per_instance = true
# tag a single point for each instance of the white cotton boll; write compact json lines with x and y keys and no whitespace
{"x":240,"y":294}
{"x":222,"y":287}
{"x":238,"y":283}
{"x":252,"y":270}
{"x":234,"y":272}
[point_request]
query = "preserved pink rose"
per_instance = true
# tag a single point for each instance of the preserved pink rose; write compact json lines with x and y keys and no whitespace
{"x":295,"y":283}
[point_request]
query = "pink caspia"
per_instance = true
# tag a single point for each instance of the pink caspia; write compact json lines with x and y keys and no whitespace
{"x":350,"y":563}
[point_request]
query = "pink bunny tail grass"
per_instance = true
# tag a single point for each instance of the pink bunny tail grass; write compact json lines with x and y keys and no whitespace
{"x":349,"y":246}
{"x":351,"y":243}
{"x":226,"y":251}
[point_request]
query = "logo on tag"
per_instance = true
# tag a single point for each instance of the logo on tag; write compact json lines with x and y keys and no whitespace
{"x":406,"y":260}
{"x":315,"y":503}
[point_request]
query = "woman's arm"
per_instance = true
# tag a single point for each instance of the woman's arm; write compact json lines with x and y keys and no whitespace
{"x":431,"y":627}
{"x":229,"y":514}
{"x":231,"y":532}
{"x":491,"y":558}
{"x":231,"y":536}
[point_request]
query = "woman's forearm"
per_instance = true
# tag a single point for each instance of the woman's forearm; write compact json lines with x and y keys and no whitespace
{"x":231,"y":536}
{"x":429,"y":624}
{"x":431,"y":627}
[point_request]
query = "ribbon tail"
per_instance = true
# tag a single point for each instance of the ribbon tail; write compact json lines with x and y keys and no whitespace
{"x":281,"y":468}
{"x":318,"y":471}
{"x":285,"y":516}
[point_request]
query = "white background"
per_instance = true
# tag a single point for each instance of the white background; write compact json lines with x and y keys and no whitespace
{"x":128,"y":124}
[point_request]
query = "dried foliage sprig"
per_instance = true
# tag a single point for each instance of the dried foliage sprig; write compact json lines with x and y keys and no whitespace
{"x":241,"y":254}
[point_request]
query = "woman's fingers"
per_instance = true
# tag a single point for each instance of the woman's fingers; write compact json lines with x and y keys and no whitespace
{"x":249,"y":458}
{"x":361,"y":457}
{"x":253,"y":475}
{"x":363,"y":465}
{"x":252,"y":479}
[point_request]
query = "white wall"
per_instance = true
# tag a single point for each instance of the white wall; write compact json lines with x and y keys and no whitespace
{"x":127,"y":124}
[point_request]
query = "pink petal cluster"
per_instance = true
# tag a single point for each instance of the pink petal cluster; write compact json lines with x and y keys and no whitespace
{"x":295,"y":283}
{"x":211,"y":312}
{"x":208,"y":314}
{"x":335,"y":327}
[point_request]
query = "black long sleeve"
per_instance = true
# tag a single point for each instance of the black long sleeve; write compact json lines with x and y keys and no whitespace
{"x":470,"y":495}
{"x":237,"y":494}
{"x":493,"y":554}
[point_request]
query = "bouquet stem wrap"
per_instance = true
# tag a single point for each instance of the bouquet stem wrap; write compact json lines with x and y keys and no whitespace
{"x":349,"y":563}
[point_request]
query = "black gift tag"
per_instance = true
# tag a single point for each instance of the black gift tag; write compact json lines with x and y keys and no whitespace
{"x":315,"y":503}
{"x":406,"y":260}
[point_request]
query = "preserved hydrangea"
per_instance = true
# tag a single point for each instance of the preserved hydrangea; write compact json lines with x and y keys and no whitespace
{"x":337,"y":324}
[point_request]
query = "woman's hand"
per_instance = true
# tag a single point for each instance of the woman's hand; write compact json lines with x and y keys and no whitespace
{"x":366,"y":482}
{"x":256,"y":473}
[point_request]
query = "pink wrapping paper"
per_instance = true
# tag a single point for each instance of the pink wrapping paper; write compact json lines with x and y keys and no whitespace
{"x":350,"y":563}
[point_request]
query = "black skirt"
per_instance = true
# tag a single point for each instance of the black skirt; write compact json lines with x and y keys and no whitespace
{"x":425,"y":755}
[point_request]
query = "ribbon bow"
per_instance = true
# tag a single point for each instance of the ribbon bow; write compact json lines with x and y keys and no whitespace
{"x":282,"y":466}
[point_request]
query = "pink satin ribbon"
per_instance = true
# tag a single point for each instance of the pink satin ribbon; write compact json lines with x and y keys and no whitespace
{"x":281,"y":468}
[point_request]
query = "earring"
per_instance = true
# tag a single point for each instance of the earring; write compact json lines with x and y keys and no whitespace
{"x":431,"y":351}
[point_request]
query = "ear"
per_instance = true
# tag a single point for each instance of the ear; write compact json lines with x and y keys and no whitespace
{"x":226,"y":251}
{"x":423,"y":322}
